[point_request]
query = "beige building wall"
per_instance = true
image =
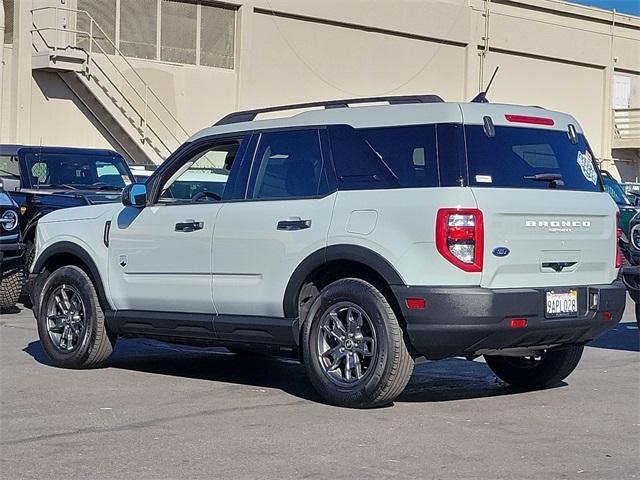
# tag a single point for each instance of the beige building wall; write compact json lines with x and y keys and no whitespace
{"x":550,"y":53}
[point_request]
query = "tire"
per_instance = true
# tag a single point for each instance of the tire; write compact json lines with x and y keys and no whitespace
{"x":638,"y":314}
{"x":10,"y":288}
{"x":93,"y":341}
{"x":553,"y":367}
{"x":384,"y":364}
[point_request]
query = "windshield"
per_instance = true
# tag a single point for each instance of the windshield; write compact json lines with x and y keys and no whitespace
{"x":77,"y":170}
{"x":518,"y":157}
{"x":614,"y":189}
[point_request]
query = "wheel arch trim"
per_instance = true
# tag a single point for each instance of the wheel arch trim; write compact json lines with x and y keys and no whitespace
{"x":70,"y":248}
{"x":353,"y":253}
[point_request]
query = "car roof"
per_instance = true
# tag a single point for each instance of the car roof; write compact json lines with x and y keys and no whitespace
{"x":12,"y":149}
{"x":372,"y":116}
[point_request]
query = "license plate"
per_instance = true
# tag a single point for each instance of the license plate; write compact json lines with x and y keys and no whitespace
{"x":562,"y":304}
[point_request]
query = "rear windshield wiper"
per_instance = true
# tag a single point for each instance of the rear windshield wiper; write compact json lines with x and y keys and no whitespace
{"x":554,"y":179}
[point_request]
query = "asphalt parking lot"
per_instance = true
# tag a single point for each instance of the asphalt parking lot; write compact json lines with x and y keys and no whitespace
{"x":168,"y":412}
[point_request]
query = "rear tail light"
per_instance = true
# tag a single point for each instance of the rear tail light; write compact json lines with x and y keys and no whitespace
{"x":618,"y":236}
{"x":518,"y":323}
{"x":460,"y":237}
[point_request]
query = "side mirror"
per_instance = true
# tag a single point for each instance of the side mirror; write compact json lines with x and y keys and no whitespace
{"x":135,"y":195}
{"x":10,"y":184}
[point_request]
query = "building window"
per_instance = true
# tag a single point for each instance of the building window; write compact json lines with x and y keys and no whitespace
{"x":217,"y":36}
{"x":138,"y":28}
{"x":192,"y":32}
{"x":103,"y":13}
{"x":8,"y":21}
{"x":179,"y":32}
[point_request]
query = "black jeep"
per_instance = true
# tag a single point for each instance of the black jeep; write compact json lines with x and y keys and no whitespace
{"x":11,"y":248}
{"x":43,"y":179}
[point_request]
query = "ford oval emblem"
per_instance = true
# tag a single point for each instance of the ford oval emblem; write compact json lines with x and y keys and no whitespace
{"x":501,"y":251}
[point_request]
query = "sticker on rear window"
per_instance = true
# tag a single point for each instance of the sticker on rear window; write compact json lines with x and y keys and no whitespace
{"x":484,"y":179}
{"x":586,"y":165}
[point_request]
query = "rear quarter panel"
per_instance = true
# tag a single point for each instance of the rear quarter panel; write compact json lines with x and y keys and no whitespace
{"x":399,"y":225}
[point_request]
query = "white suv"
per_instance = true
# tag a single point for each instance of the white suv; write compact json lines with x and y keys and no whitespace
{"x":358,"y":237}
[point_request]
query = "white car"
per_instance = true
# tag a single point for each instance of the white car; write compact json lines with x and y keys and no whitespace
{"x":357,"y":237}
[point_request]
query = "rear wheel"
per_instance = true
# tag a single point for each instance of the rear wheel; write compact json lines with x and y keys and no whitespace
{"x":545,"y":370}
{"x":10,"y":288}
{"x":353,"y":346}
{"x":71,"y":322}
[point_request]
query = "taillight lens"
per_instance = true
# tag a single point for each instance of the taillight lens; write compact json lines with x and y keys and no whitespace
{"x":460,"y":237}
{"x":618,"y":236}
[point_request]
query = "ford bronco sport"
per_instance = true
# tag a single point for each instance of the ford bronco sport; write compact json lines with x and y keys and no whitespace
{"x":359,"y":238}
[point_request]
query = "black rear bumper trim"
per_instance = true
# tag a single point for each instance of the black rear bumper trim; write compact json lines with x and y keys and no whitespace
{"x":461,"y":321}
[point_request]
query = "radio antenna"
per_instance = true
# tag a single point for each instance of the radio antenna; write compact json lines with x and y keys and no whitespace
{"x":482,"y":96}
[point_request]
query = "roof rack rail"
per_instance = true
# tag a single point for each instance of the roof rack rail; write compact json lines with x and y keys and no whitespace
{"x":249,"y":115}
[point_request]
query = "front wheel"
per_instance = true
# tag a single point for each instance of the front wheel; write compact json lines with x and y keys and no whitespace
{"x":10,"y":287}
{"x":353,"y":346}
{"x":549,"y":368}
{"x":71,"y":322}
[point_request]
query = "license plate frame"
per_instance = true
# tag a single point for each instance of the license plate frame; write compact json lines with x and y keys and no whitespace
{"x":561,"y":303}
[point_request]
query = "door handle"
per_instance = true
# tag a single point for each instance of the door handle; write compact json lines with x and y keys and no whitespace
{"x":189,"y":226}
{"x":294,"y":223}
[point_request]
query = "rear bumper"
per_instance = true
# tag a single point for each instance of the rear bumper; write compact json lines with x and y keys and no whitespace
{"x":464,"y":321}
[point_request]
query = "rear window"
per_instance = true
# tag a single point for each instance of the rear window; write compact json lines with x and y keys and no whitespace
{"x":529,"y":158}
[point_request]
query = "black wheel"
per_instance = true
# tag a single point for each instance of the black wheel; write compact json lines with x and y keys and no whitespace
{"x":545,"y":370}
{"x":353,"y":346}
{"x":71,"y":322}
{"x":10,"y":288}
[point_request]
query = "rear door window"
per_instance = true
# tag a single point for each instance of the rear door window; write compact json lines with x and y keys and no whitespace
{"x":529,"y":158}
{"x":288,"y":164}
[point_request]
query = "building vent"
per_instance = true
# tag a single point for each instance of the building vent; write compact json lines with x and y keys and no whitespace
{"x":104,"y":13}
{"x":138,"y":27}
{"x":217,"y":36}
{"x":178,"y":32}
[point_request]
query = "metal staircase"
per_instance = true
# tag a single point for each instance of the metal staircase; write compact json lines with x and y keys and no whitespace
{"x":105,"y":82}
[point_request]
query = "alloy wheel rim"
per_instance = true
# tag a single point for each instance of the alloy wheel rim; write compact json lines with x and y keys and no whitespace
{"x":65,"y":318}
{"x":347,"y":344}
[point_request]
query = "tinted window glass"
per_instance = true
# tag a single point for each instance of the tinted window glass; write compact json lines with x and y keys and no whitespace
{"x":357,"y":165}
{"x":288,"y":165}
{"x":614,"y":189}
{"x":451,"y":154}
{"x":409,"y":153}
{"x":9,"y":166}
{"x":77,"y":170}
{"x":387,"y":157}
{"x":514,"y":156}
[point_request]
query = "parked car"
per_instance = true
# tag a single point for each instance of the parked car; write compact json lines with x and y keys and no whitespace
{"x":359,"y":238}
{"x":634,"y":240}
{"x":626,"y":208}
{"x":11,"y":248}
{"x":631,"y":276}
{"x":43,"y":179}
